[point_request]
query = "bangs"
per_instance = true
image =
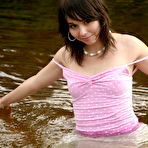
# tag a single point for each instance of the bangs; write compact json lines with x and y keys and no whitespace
{"x":75,"y":16}
{"x":80,"y":11}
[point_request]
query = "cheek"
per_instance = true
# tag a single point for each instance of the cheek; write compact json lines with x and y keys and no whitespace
{"x":74,"y":33}
{"x":96,"y":28}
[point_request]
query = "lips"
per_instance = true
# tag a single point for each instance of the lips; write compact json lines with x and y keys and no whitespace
{"x":86,"y":38}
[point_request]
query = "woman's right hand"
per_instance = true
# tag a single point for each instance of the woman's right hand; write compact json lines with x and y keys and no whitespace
{"x":5,"y":111}
{"x":3,"y":106}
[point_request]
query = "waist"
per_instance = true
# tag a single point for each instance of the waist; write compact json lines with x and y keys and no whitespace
{"x":111,"y":132}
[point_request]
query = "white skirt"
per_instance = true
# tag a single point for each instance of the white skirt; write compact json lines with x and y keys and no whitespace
{"x":136,"y":139}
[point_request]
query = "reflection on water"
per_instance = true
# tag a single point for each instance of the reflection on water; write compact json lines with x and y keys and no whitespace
{"x":28,"y":38}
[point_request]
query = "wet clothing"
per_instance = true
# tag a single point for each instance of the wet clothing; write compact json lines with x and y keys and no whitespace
{"x":102,"y":103}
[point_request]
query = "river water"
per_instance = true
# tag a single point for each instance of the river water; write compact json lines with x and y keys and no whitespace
{"x":28,"y":40}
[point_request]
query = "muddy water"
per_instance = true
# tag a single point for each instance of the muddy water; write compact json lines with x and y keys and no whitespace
{"x":28,"y":39}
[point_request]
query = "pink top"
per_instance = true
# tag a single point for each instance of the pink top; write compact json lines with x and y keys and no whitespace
{"x":102,"y":103}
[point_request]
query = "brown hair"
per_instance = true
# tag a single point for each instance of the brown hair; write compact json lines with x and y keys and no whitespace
{"x":86,"y":10}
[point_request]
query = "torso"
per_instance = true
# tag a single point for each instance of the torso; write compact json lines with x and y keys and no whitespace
{"x":102,"y":98}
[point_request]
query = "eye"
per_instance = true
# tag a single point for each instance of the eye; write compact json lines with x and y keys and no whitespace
{"x":72,"y":26}
{"x":87,"y":21}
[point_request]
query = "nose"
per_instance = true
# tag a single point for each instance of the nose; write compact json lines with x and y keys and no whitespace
{"x":82,"y":31}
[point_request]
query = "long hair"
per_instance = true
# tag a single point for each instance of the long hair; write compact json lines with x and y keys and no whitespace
{"x":86,"y":10}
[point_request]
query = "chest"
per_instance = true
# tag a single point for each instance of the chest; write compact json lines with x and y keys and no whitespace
{"x":94,"y":65}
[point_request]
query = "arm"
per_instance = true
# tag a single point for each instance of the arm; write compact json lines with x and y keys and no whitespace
{"x":43,"y":78}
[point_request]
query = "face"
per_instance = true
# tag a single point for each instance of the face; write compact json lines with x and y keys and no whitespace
{"x":86,"y":32}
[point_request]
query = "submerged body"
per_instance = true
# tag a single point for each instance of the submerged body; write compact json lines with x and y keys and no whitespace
{"x":135,"y":139}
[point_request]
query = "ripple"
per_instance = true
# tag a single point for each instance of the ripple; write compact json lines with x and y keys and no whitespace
{"x":3,"y":74}
{"x":9,"y":50}
{"x":140,"y":90}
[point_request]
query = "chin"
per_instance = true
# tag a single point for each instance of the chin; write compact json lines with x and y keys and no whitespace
{"x":91,"y":42}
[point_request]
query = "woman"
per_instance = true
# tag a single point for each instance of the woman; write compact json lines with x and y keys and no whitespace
{"x":98,"y":66}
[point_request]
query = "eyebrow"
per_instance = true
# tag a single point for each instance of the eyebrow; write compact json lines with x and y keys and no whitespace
{"x":71,"y":23}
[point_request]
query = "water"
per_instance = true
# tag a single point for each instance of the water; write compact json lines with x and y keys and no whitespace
{"x":28,"y":39}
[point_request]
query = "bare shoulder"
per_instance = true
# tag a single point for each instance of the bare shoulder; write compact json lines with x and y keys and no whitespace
{"x":131,"y":45}
{"x":131,"y":40}
{"x":134,"y":45}
{"x":131,"y":49}
{"x":62,"y":55}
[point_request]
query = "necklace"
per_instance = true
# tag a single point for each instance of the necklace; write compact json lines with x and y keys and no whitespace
{"x":93,"y":53}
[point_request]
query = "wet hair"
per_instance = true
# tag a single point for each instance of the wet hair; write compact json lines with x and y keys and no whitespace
{"x":84,"y":10}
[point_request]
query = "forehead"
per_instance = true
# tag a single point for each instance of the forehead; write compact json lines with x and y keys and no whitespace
{"x":70,"y":20}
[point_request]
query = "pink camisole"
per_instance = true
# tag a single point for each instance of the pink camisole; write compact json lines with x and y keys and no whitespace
{"x":102,"y":103}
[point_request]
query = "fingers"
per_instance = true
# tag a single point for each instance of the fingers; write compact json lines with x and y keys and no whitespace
{"x":4,"y":107}
{"x":1,"y":106}
{"x":5,"y":113}
{"x":4,"y":110}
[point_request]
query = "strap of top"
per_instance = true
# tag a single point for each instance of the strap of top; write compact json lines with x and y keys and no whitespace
{"x":137,"y":61}
{"x":57,"y":63}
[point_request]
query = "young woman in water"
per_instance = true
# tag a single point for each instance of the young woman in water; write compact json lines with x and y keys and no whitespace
{"x":98,"y":66}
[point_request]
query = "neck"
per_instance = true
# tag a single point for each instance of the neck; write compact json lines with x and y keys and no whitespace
{"x":94,"y":47}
